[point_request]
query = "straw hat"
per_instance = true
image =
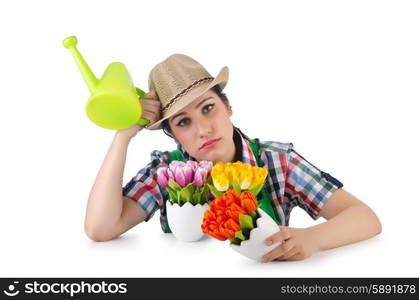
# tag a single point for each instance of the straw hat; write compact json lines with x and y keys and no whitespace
{"x":178,"y":80}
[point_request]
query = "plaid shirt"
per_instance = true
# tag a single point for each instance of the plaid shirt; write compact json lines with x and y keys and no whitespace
{"x":292,"y":180}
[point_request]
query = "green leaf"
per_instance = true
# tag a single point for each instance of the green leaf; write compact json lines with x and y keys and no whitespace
{"x":174,"y":185}
{"x":240,"y":235}
{"x":236,"y":186}
{"x":235,"y":241}
{"x":204,"y":195}
{"x":186,"y":193}
{"x":246,"y":233}
{"x":216,"y":192}
{"x":256,"y":190}
{"x":253,"y":214}
{"x":196,"y":198}
{"x":172,"y":194}
{"x":246,"y":222}
{"x":178,"y":198}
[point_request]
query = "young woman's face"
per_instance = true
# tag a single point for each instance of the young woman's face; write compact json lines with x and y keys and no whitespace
{"x":205,"y":120}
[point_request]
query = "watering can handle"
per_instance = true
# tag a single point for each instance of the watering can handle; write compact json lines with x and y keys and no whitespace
{"x":141,"y":121}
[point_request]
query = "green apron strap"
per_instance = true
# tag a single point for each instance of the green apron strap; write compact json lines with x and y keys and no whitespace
{"x":263,"y":198}
{"x":176,"y":155}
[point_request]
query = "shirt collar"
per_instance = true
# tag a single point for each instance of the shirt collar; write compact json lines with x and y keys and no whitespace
{"x":247,"y":156}
{"x":242,"y":145}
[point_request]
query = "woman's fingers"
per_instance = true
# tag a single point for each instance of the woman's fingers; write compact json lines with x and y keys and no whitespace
{"x":282,"y":235}
{"x":279,"y":251}
{"x":150,"y":95}
{"x":295,"y":257}
{"x":289,"y":254}
{"x":151,"y":106}
{"x":151,"y":115}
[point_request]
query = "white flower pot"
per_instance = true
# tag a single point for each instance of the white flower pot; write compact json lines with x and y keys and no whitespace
{"x":185,"y":221}
{"x":255,"y":247}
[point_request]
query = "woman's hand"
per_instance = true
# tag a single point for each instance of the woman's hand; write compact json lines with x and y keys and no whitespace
{"x":297,"y":244}
{"x":151,"y":106}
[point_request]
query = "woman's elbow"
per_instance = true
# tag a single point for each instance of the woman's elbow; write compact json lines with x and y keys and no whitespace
{"x":376,"y":224}
{"x":379,"y":227}
{"x":97,"y":235}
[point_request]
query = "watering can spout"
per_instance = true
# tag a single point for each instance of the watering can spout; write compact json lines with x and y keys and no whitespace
{"x":114,"y":101}
{"x":88,"y":76}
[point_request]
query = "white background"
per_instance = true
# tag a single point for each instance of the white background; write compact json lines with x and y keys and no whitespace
{"x":339,"y":79}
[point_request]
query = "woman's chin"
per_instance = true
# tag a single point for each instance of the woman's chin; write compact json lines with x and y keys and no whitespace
{"x":213,"y":156}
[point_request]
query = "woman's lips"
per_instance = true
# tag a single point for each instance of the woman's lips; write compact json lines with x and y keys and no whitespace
{"x":210,"y":144}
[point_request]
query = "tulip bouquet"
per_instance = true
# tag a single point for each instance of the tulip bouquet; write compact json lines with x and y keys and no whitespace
{"x":234,"y":213}
{"x":238,"y":176}
{"x":186,"y":181}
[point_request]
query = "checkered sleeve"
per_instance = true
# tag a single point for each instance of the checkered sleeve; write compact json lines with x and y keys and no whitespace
{"x":308,"y":186}
{"x":143,"y":188}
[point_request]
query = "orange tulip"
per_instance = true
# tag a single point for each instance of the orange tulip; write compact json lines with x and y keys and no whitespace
{"x":248,"y":201}
{"x":233,"y":225}
{"x":228,"y":233}
{"x":221,"y":220}
{"x":231,"y":197}
{"x":234,"y":211}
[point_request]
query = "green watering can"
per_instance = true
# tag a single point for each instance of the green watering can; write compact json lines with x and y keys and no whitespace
{"x":114,"y":102}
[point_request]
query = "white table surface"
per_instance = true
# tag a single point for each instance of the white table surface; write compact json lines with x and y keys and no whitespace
{"x":57,"y":247}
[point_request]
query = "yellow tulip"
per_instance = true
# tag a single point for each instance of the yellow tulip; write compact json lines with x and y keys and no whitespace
{"x":246,"y":178}
{"x":221,"y":182}
{"x":259,"y":176}
{"x":217,"y":169}
{"x":233,"y":173}
{"x":247,"y":168}
{"x":238,"y":164}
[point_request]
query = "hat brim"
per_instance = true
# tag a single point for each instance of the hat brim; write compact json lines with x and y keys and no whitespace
{"x":221,"y":79}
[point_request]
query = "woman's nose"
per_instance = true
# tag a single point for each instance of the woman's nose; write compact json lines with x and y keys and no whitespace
{"x":204,"y":127}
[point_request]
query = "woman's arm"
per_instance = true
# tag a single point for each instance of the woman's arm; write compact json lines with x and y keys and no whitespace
{"x":108,"y":213}
{"x":349,"y":220}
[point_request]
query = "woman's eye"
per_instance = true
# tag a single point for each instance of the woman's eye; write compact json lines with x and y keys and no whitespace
{"x":186,"y":121}
{"x":182,"y":122}
{"x":210,"y":106}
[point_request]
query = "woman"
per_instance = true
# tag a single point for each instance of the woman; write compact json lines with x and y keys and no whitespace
{"x":189,"y":105}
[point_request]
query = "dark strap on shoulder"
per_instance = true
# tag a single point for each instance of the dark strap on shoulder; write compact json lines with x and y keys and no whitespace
{"x":173,"y":155}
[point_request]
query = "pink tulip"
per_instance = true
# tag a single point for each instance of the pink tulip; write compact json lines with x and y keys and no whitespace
{"x":176,"y":168}
{"x":179,"y":176}
{"x":170,"y":174}
{"x":200,"y":177}
{"x":176,"y":163}
{"x":185,"y":173}
{"x":193,"y":164}
{"x":162,"y":176}
{"x":189,"y":174}
{"x":207,"y":165}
